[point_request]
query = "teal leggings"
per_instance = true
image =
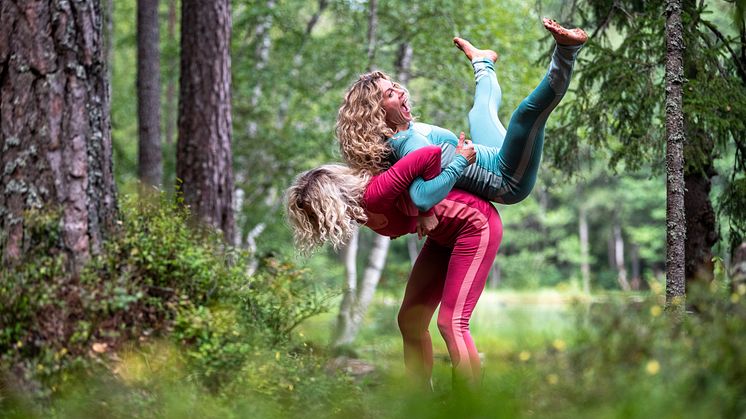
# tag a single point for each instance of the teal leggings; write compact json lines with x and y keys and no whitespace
{"x":508,"y":160}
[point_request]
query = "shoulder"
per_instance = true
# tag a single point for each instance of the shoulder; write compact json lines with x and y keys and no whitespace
{"x":436,"y":134}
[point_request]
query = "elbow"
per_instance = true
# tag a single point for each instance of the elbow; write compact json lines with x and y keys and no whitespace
{"x":422,"y":204}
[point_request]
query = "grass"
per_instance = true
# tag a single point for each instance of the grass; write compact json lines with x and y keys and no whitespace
{"x":537,"y":363}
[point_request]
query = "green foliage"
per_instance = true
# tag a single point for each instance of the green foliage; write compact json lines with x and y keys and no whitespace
{"x":614,"y":357}
{"x":279,"y":297}
{"x":155,"y":276}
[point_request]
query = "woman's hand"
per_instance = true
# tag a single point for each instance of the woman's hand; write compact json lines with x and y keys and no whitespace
{"x":426,"y":224}
{"x":466,"y":148}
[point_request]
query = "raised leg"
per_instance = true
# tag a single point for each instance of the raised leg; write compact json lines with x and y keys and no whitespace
{"x":484,"y":123}
{"x":517,"y":161}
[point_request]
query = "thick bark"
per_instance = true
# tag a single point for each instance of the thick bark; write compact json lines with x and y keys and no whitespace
{"x":675,"y":220}
{"x":149,"y":160}
{"x":701,"y":228}
{"x":54,"y":118}
{"x":585,"y":266}
{"x":204,"y":147}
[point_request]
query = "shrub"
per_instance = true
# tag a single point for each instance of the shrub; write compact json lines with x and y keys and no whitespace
{"x":156,"y":276}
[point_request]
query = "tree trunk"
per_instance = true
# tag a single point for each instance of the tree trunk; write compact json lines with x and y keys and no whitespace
{"x":367,"y":287}
{"x":619,"y":257}
{"x":203,"y":162}
{"x":412,"y":249}
{"x":149,"y":160}
{"x":342,"y":334}
{"x":676,"y":227}
{"x":170,"y":105}
{"x":495,"y":276}
{"x":738,"y":267}
{"x":56,"y":133}
{"x":636,"y":280}
{"x":585,"y":266}
{"x":372,"y":30}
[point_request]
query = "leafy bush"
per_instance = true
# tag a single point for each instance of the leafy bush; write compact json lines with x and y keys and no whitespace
{"x":156,"y":276}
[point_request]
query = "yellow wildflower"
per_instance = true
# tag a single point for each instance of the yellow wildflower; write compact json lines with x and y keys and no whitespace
{"x":652,"y":367}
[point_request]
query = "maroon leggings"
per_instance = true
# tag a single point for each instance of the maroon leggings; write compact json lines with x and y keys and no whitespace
{"x":451,"y":270}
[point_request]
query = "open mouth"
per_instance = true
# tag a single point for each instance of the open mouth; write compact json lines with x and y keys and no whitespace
{"x":405,"y":107}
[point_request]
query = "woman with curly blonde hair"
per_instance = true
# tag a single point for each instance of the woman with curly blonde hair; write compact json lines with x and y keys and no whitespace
{"x":325,"y":205}
{"x":464,"y":230}
{"x":375,"y":126}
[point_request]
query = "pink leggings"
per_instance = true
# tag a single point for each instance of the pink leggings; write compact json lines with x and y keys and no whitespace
{"x":452,"y":275}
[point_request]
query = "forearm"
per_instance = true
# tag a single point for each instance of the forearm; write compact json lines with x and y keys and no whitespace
{"x":427,"y":193}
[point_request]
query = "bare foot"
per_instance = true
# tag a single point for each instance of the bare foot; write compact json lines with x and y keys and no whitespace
{"x":472,"y":52}
{"x":564,"y":36}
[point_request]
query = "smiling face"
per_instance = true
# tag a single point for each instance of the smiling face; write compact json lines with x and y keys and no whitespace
{"x":396,"y":104}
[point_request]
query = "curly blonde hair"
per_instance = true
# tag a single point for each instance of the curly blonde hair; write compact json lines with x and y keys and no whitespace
{"x":361,"y":125}
{"x":325,"y":205}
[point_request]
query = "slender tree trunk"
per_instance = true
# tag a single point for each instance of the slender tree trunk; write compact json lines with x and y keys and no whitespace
{"x":619,"y":257}
{"x":636,"y":280}
{"x":54,"y":119}
{"x":173,"y":67}
{"x":495,"y":276}
{"x":585,"y":265}
{"x":738,"y":267}
{"x":412,"y":249}
{"x":203,"y":161}
{"x":149,"y":157}
{"x":675,"y":219}
{"x":371,"y":276}
{"x":342,"y":334}
{"x":372,"y":30}
{"x":404,"y":62}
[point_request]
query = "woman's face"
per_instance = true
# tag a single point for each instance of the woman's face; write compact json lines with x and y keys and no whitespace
{"x":396,"y":104}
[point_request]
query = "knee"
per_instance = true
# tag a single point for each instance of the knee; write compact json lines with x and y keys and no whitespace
{"x":520,"y":192}
{"x":409,"y":323}
{"x":445,"y":326}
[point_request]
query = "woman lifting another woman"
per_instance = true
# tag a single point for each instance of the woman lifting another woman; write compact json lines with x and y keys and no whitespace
{"x":375,"y":122}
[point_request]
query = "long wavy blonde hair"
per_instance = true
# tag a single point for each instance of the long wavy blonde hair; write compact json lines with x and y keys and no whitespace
{"x":361,"y":125}
{"x":324,"y":205}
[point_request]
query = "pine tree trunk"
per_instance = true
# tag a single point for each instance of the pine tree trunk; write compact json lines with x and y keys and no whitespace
{"x":170,"y":105}
{"x":203,"y":160}
{"x":149,"y":160}
{"x":54,"y":118}
{"x":675,"y":220}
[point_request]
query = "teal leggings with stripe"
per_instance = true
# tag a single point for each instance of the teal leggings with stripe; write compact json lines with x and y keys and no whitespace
{"x":508,"y":160}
